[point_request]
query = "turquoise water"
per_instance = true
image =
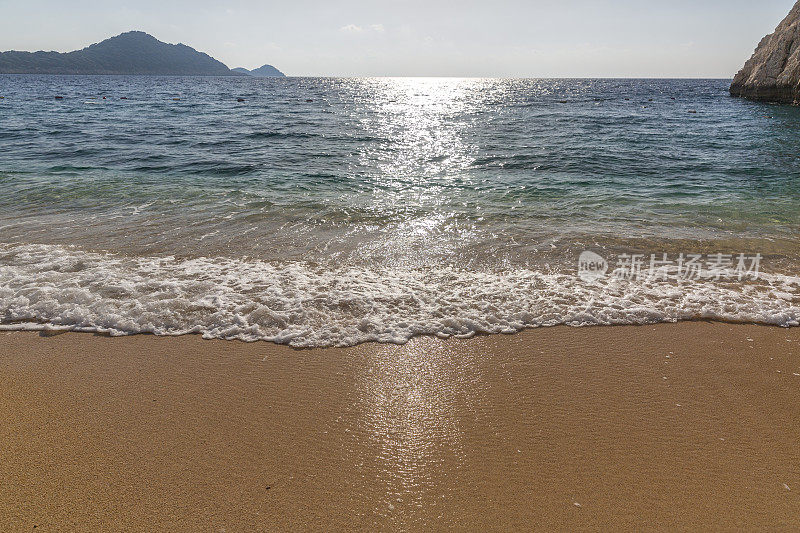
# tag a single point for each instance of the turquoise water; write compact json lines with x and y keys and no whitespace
{"x":327,"y":211}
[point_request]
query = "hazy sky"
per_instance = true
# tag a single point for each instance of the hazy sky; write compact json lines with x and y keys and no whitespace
{"x":534,"y":38}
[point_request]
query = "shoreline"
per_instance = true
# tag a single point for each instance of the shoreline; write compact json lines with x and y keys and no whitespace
{"x":51,"y":330}
{"x":680,"y":425}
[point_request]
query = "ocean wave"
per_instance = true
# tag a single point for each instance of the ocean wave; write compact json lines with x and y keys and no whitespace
{"x":310,"y":305}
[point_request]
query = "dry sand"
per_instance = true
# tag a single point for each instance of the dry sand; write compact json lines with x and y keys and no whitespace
{"x":691,"y":425}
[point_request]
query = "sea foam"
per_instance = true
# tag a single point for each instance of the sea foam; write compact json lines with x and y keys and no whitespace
{"x":310,"y":305}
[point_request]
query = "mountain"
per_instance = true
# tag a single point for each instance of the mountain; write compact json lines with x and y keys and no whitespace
{"x":265,"y":71}
{"x":773,"y":73}
{"x":134,"y":52}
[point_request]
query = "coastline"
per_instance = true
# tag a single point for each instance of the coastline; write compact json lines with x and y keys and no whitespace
{"x":687,"y":425}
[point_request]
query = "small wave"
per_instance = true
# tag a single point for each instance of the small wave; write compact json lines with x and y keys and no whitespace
{"x":218,"y":168}
{"x":305,"y":305}
{"x":516,"y":162}
{"x":280,"y":135}
{"x":74,"y":168}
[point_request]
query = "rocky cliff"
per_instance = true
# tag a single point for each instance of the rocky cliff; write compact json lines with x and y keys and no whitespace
{"x":773,"y":73}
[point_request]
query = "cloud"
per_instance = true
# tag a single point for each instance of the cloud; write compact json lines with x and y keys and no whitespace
{"x":351,"y":28}
{"x":354,"y":28}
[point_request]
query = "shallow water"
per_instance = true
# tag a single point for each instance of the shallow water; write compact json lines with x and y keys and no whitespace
{"x":334,"y":211}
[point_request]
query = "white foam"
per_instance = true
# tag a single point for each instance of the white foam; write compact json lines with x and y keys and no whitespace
{"x":44,"y":286}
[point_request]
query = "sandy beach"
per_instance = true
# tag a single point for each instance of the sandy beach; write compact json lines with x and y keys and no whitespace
{"x":689,"y":425}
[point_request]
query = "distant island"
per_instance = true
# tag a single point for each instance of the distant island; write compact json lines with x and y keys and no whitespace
{"x":131,"y":53}
{"x":264,"y":71}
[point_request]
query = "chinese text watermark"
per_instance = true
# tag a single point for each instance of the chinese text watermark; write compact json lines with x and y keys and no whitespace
{"x":633,"y":267}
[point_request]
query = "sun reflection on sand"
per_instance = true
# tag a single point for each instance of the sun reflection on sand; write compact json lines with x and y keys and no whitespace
{"x":411,"y":401}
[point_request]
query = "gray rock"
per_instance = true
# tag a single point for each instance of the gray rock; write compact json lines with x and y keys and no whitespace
{"x":773,"y":73}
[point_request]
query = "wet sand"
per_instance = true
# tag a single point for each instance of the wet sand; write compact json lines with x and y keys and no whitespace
{"x":691,"y":425}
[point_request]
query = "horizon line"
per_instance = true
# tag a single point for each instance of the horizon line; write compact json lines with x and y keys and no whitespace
{"x":390,"y":76}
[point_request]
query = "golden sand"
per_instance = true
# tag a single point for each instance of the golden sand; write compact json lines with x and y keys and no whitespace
{"x":690,"y":425}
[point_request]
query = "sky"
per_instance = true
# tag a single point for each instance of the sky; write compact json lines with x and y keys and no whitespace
{"x":501,"y":38}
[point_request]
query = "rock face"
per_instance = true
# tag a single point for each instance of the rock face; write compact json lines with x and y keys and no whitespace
{"x":773,"y":73}
{"x":134,"y":52}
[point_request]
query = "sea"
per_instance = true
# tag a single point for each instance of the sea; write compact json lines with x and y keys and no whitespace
{"x":334,"y":211}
